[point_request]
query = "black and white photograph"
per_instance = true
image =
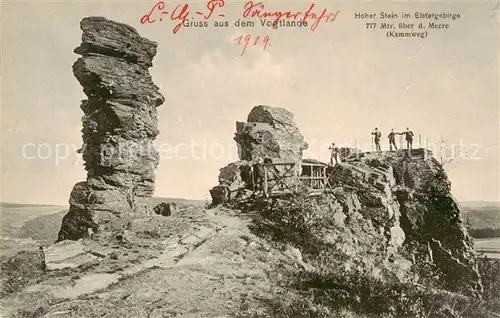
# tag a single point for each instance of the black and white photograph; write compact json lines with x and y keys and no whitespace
{"x":248,"y":158}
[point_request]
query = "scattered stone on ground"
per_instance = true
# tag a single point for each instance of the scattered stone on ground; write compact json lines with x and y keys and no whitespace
{"x":164,"y":209}
{"x":207,"y":257}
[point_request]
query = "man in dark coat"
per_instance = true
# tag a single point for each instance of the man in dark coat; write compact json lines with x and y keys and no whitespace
{"x":409,"y":138}
{"x":258,"y":170}
{"x":334,"y":154}
{"x":392,"y":139}
{"x":377,"y":135}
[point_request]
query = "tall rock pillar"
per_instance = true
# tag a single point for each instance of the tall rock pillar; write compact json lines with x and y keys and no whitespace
{"x":119,"y":127}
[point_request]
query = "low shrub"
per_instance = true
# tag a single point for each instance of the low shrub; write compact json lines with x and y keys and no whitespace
{"x":19,"y":269}
{"x":489,"y":269}
{"x":299,"y":220}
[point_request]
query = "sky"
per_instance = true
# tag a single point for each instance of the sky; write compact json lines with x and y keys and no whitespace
{"x":340,"y":82}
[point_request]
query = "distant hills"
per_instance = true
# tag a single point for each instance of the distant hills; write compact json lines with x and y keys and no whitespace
{"x":42,"y":222}
{"x":481,"y":214}
{"x":178,"y":200}
{"x":15,"y":215}
{"x":480,"y":204}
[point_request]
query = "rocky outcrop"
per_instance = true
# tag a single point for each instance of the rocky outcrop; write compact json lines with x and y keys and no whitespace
{"x":201,"y":263}
{"x":356,"y":223}
{"x":408,"y":197}
{"x":388,"y":213}
{"x":119,"y":127}
{"x":271,"y":133}
{"x":235,"y":183}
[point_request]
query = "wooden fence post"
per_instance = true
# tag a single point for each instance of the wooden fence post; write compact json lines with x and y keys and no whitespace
{"x":264,"y":190}
{"x":356,"y":147}
{"x":425,"y":148}
{"x":296,"y":175}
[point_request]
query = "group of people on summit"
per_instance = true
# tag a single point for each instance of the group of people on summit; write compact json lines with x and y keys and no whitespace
{"x":377,"y":136}
{"x":259,"y":162}
{"x":392,"y":138}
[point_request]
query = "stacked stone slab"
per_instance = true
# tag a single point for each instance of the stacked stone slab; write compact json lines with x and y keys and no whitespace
{"x":119,"y":127}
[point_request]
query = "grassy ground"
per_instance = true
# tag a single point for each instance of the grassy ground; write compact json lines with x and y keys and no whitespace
{"x":488,"y":247}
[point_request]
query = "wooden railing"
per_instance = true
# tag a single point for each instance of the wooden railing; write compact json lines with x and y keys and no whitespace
{"x":280,"y":178}
{"x":316,"y":178}
{"x":285,"y":178}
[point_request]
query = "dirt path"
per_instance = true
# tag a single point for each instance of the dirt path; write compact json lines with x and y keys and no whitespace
{"x":208,"y":265}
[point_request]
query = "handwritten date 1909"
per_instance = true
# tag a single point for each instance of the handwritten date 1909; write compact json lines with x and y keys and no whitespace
{"x":254,"y":41}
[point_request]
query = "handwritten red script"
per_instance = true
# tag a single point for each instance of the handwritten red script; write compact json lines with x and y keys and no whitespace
{"x":257,"y":10}
{"x":251,"y":9}
{"x":246,"y":40}
{"x":179,"y":13}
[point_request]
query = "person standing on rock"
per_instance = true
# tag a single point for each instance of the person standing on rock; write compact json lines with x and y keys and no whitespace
{"x":333,"y":154}
{"x":409,"y":138}
{"x":258,"y":169}
{"x":377,"y":137}
{"x":392,"y":139}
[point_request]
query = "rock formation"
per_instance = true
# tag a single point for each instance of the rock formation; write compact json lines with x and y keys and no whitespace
{"x":407,"y":199}
{"x":119,"y":127}
{"x":389,"y":212}
{"x":270,"y":132}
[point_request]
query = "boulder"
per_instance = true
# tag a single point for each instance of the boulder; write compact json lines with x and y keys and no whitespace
{"x":272,"y":132}
{"x":163,"y":209}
